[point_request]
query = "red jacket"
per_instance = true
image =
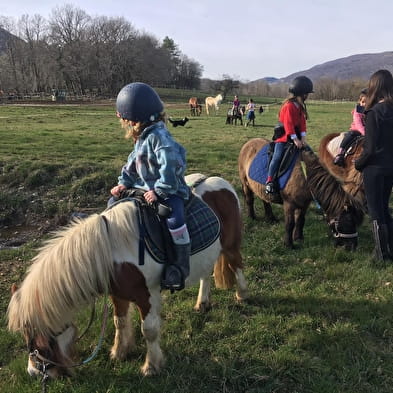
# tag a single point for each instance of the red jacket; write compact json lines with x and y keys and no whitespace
{"x":293,"y":117}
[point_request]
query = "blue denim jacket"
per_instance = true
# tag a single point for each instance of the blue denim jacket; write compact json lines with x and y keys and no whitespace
{"x":157,"y":163}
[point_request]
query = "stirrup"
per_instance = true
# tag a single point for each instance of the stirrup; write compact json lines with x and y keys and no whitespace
{"x":174,"y":280}
{"x":270,"y":188}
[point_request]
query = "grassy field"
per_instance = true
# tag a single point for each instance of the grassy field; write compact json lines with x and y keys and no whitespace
{"x":319,"y":319}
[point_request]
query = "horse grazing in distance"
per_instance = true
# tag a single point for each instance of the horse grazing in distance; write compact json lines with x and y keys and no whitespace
{"x":342,"y":211}
{"x":351,"y":178}
{"x":213,"y":103}
{"x":195,"y":106}
{"x":105,"y":254}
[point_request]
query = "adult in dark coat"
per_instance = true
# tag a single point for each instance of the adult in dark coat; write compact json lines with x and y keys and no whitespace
{"x":376,"y":161}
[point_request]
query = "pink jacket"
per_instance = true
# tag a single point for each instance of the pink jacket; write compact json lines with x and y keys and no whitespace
{"x":358,"y":121}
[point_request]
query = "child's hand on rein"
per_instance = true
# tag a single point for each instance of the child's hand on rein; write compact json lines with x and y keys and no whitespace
{"x":150,"y":196}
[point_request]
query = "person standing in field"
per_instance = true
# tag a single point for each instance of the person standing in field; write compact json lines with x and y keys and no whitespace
{"x":376,"y":160}
{"x":250,"y":112}
{"x":292,"y":118}
{"x":157,"y":166}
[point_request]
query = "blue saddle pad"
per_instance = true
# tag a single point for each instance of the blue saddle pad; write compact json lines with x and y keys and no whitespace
{"x":260,"y":165}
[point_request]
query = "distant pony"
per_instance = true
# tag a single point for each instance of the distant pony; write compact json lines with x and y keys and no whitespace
{"x":211,"y":102}
{"x":195,"y":106}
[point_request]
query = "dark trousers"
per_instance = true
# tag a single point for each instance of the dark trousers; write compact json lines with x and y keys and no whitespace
{"x":349,"y":138}
{"x":378,"y":185}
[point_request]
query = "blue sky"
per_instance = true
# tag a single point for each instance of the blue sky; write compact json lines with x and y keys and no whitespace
{"x":248,"y":39}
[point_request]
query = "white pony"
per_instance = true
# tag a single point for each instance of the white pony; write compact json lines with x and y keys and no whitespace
{"x":211,"y":102}
{"x":102,"y":254}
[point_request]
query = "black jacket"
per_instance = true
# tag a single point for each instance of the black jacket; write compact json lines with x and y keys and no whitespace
{"x":378,"y":144}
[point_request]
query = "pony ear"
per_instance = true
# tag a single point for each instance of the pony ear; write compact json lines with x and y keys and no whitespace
{"x":14,"y":288}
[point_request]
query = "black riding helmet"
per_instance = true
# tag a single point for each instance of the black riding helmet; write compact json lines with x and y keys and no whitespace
{"x":138,"y":102}
{"x":301,"y":85}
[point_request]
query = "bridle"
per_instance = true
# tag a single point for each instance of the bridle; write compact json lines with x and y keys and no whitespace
{"x":43,"y":364}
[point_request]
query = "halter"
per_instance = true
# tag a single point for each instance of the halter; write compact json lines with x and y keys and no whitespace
{"x":333,"y":224}
{"x":43,"y":364}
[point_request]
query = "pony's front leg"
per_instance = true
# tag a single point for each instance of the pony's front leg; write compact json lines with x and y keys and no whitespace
{"x":203,"y":303}
{"x":124,"y":341}
{"x":242,"y":288}
{"x":151,"y":323}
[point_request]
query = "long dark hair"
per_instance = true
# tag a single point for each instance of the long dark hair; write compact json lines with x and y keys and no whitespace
{"x":380,"y":87}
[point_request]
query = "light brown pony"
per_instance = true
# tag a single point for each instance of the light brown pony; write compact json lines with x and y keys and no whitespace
{"x":213,"y":103}
{"x":195,"y":106}
{"x":101,"y":254}
{"x":352,"y":179}
{"x":342,"y":211}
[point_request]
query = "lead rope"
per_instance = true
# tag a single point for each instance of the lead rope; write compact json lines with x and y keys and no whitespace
{"x":46,"y":362}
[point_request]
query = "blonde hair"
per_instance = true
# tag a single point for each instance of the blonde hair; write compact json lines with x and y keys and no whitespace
{"x":134,"y":131}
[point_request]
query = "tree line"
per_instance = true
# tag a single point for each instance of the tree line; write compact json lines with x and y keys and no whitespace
{"x":98,"y":55}
{"x":82,"y":54}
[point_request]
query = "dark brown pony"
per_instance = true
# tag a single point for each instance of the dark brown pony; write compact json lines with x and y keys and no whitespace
{"x":195,"y":106}
{"x":343,"y":212}
{"x":352,"y":179}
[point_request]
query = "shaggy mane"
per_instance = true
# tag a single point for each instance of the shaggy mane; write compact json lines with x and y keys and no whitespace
{"x":327,"y":190}
{"x":70,"y":270}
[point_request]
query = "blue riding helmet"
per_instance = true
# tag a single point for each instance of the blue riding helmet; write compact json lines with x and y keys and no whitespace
{"x":138,"y":102}
{"x":301,"y":85}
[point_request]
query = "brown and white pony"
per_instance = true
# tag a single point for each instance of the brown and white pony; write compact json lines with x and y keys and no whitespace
{"x":99,"y":255}
{"x":341,"y":210}
{"x":213,"y":103}
{"x":350,"y":177}
{"x":195,"y":106}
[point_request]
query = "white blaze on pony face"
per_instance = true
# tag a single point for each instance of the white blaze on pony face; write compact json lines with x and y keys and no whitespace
{"x":57,"y":349}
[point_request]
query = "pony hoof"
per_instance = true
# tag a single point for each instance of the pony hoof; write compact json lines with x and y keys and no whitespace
{"x":203,"y":307}
{"x":241,"y":297}
{"x":148,"y":370}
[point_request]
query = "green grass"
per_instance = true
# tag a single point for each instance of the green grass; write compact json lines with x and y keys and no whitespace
{"x":319,"y":319}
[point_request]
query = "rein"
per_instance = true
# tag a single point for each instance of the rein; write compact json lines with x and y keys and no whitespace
{"x":43,"y":364}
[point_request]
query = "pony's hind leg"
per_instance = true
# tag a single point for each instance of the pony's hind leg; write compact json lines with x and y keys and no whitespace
{"x":289,"y":212}
{"x":249,"y":199}
{"x":300,"y":218}
{"x":124,"y":341}
{"x":203,"y":303}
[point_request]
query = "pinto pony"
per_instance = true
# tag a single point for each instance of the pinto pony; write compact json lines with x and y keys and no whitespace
{"x":342,"y":212}
{"x":195,"y":106}
{"x":213,"y":103}
{"x":100,"y":254}
{"x":350,"y":177}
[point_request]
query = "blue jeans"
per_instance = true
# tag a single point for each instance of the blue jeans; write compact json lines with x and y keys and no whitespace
{"x":276,"y":159}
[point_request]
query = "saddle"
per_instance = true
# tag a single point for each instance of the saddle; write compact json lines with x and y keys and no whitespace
{"x":203,"y":226}
{"x":290,"y":151}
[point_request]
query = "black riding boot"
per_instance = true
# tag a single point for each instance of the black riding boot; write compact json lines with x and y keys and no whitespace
{"x":381,"y":240}
{"x":175,"y":274}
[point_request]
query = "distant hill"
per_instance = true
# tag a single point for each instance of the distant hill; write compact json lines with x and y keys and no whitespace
{"x":351,"y":67}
